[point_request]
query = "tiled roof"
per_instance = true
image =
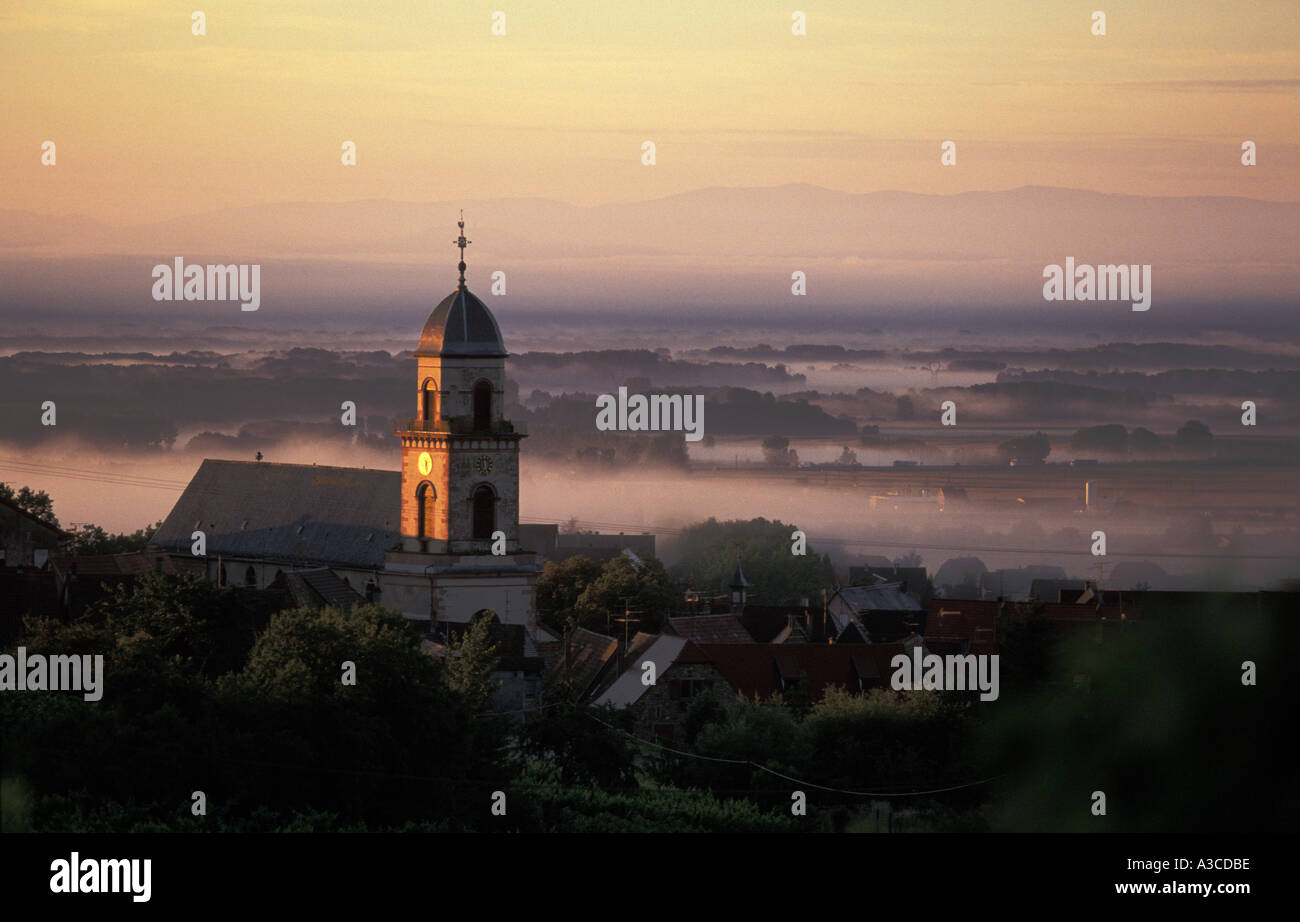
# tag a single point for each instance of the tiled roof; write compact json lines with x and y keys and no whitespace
{"x":711,"y":629}
{"x":758,"y":669}
{"x":320,"y":587}
{"x":291,"y":513}
{"x":767,"y":622}
{"x":588,"y":654}
{"x":954,"y":619}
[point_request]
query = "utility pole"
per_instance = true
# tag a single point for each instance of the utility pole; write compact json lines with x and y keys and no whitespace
{"x":626,"y":619}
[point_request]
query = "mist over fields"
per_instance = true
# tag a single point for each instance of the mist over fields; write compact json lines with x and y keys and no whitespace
{"x":133,"y":427}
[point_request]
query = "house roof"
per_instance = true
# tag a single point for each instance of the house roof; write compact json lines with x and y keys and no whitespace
{"x":589,"y":652}
{"x":319,"y":587}
{"x":758,"y":669}
{"x":765,"y":623}
{"x":880,"y":597}
{"x":36,"y":520}
{"x":293,"y":513}
{"x":712,"y":629}
{"x":956,"y":619}
{"x":131,"y":563}
{"x":628,"y":687}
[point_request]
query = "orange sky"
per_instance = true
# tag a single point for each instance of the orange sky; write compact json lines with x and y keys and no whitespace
{"x":151,"y":121}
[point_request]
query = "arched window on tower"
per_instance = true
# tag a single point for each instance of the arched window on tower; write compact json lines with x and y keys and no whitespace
{"x":424,"y":502}
{"x":482,"y":406}
{"x":429,"y":402}
{"x":485,"y":513}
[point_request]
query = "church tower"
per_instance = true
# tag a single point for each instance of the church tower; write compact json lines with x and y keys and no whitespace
{"x":460,"y":474}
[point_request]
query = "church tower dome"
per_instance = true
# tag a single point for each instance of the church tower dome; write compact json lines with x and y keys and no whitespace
{"x":461,"y":324}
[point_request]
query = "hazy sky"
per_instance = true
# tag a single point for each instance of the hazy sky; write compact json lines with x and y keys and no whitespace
{"x":151,"y":121}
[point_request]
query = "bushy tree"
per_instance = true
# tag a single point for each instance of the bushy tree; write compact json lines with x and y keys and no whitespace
{"x":645,"y":588}
{"x":1111,"y":438}
{"x":778,"y":453}
{"x":709,"y":551}
{"x":1194,"y":436}
{"x":581,"y":591}
{"x":470,"y":662}
{"x":1031,"y":448}
{"x":583,"y":745}
{"x":92,"y":539}
{"x":38,"y":504}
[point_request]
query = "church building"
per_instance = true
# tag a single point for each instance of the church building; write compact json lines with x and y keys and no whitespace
{"x":438,"y":540}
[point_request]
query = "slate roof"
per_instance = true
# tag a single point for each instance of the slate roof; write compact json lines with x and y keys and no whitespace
{"x":301,"y":514}
{"x":628,"y":688}
{"x":849,"y":602}
{"x":880,"y":597}
{"x":461,"y":325}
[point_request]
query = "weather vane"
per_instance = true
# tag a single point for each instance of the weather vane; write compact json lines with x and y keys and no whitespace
{"x":462,"y":243}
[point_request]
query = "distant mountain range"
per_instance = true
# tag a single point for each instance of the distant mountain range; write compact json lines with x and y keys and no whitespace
{"x":715,"y":246}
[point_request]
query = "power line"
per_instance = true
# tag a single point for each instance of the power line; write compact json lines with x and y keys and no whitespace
{"x":810,"y":784}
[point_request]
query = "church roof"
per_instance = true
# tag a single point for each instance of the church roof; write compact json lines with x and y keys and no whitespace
{"x":461,"y":325}
{"x":297,"y":514}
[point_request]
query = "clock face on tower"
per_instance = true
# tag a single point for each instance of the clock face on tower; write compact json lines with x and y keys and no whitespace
{"x":425,"y":463}
{"x":483,"y":464}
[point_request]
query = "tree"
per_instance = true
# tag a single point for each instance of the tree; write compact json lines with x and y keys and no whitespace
{"x":1142,"y":441}
{"x":667,"y":450}
{"x":470,"y":662}
{"x":1033,"y":448}
{"x":847,"y":457}
{"x":573,"y":739}
{"x":709,"y":552}
{"x":1194,"y":436}
{"x":186,"y":620}
{"x":1111,"y":439}
{"x":92,"y":539}
{"x":777,"y":451}
{"x":910,"y":559}
{"x":560,"y":586}
{"x":646,"y":588}
{"x":38,"y":504}
{"x":904,"y":408}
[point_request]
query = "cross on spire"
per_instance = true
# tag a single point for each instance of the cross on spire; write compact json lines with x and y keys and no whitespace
{"x":462,"y":243}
